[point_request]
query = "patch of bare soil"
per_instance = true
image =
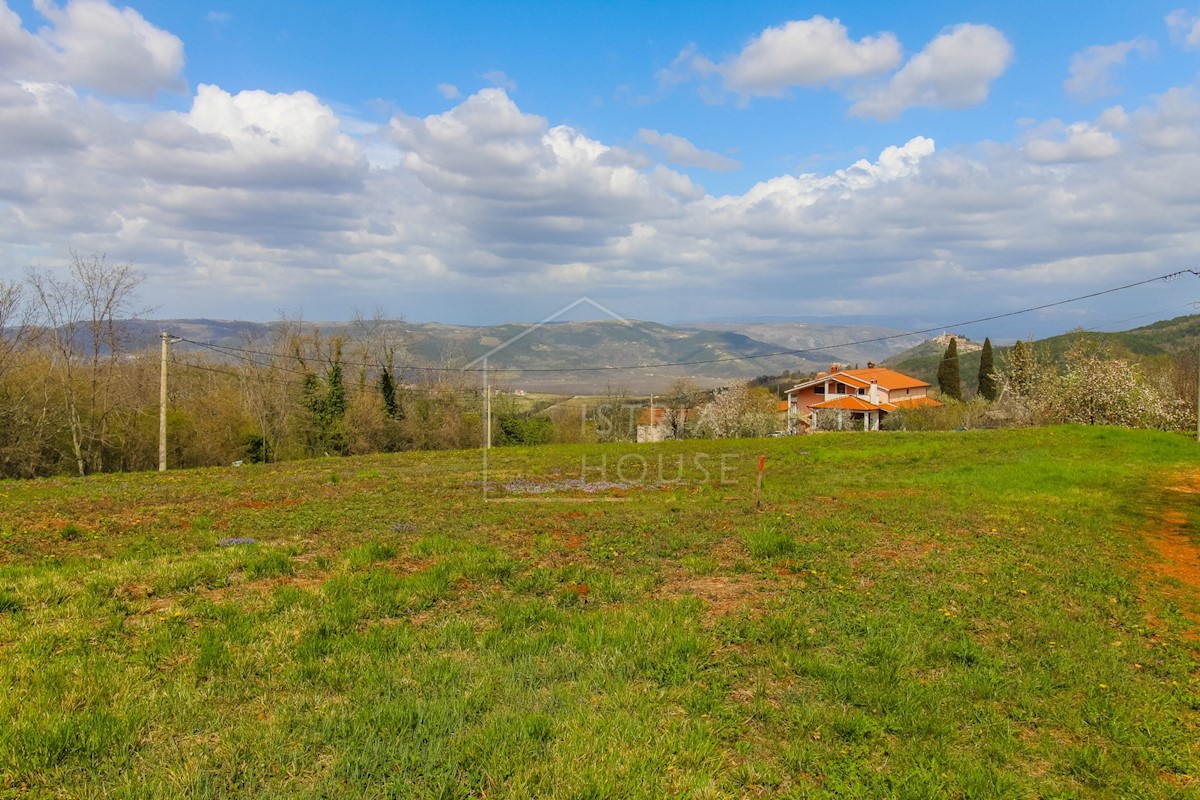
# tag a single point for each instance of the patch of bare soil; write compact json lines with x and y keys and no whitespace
{"x":1178,"y":552}
{"x":722,"y":594}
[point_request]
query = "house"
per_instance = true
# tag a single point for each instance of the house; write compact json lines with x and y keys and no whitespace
{"x":653,"y":425}
{"x":853,"y":398}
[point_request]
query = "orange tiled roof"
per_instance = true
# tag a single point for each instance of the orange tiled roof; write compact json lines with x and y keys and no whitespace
{"x":848,"y":403}
{"x":886,"y":378}
{"x":644,"y":417}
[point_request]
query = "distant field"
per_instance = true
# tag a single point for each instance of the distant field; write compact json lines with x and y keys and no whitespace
{"x":985,"y":614}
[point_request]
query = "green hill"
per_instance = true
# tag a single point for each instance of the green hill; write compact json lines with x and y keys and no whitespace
{"x":1159,"y":339}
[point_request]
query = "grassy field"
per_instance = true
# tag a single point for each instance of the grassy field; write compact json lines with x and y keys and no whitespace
{"x":978,"y":615}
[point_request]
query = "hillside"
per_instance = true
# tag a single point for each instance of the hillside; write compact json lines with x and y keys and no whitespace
{"x":568,"y":357}
{"x":1161,"y":338}
{"x":827,"y":342}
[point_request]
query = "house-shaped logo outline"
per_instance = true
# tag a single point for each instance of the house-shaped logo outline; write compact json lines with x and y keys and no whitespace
{"x":538,"y":325}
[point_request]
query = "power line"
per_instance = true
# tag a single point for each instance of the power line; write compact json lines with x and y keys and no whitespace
{"x":229,"y":350}
{"x":350,"y":387}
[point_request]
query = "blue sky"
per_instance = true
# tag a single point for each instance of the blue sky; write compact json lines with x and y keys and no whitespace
{"x":916,"y":164}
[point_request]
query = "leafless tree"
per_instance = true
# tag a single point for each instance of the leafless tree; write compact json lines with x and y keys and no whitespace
{"x":81,"y":315}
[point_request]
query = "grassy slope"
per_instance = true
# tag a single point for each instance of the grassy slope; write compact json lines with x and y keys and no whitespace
{"x":913,"y":615}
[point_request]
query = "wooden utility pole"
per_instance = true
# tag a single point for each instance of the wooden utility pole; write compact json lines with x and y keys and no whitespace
{"x":487,"y":425}
{"x":162,"y":406}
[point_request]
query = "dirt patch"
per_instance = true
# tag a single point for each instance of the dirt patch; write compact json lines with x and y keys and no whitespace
{"x":722,"y":594}
{"x":1178,"y":553}
{"x":900,"y":552}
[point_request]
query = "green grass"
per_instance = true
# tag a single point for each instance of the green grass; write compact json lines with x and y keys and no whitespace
{"x":910,"y":615}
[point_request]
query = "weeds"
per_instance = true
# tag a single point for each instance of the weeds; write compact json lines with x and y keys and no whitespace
{"x":912,"y":615}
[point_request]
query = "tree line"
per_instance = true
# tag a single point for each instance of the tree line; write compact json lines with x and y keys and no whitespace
{"x":79,"y":396}
{"x":1093,"y":383}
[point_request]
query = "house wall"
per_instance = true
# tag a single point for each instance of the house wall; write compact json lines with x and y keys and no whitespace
{"x":804,"y":399}
{"x":897,"y":395}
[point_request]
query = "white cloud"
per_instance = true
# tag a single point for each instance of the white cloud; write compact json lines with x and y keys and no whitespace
{"x":1171,"y":124}
{"x":955,"y":70}
{"x":791,"y":193}
{"x":256,"y":136}
{"x":679,"y":150}
{"x":498,"y":78}
{"x":267,"y":201}
{"x":1184,"y":28}
{"x":115,"y":51}
{"x":218,"y":17}
{"x":1092,"y":68}
{"x":448,"y":90}
{"x":811,"y":53}
{"x":22,"y":55}
{"x":1080,"y":142}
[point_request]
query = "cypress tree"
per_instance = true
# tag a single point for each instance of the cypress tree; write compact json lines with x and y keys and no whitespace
{"x":949,"y":380}
{"x":987,"y":372}
{"x":387,"y":389}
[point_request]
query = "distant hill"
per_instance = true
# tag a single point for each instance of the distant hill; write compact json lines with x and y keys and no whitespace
{"x":570,"y":357}
{"x":563,"y":356}
{"x":1160,"y":338}
{"x":828,"y":343}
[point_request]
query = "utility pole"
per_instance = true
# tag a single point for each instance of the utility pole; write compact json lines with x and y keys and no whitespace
{"x":487,"y":426}
{"x":653,"y":428}
{"x":162,"y":406}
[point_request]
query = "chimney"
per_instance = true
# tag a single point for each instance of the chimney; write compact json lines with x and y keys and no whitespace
{"x":833,"y":368}
{"x":873,"y":392}
{"x":870,"y":365}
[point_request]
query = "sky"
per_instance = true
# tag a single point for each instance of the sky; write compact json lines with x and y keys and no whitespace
{"x":913,"y":164}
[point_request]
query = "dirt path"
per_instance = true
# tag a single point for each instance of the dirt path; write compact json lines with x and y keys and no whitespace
{"x":1176,"y":546}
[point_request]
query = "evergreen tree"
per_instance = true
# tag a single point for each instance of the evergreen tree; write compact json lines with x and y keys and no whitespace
{"x":387,"y":390}
{"x":987,"y":372}
{"x":326,"y":404}
{"x":949,"y":380}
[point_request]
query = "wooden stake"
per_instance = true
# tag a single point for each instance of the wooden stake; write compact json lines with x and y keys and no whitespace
{"x":762,"y":465}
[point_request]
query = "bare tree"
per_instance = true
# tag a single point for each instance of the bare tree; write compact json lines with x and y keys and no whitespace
{"x":26,"y":418}
{"x":81,"y":315}
{"x":380,"y":343}
{"x":268,"y":387}
{"x":680,"y":410}
{"x":15,"y":327}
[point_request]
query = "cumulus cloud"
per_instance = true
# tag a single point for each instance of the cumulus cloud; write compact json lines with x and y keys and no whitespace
{"x":267,"y":200}
{"x":679,"y":150}
{"x":1092,"y":68}
{"x":112,"y":50}
{"x":22,"y":55}
{"x":810,"y":53}
{"x":1184,"y":28}
{"x":1080,"y":141}
{"x":523,"y":185}
{"x":955,"y":70}
{"x":251,"y":138}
